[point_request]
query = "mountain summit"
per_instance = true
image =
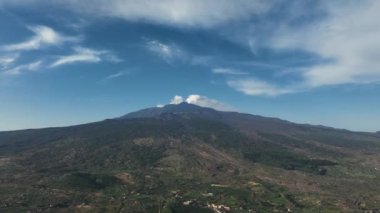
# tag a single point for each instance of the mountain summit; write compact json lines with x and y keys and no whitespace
{"x":174,"y":109}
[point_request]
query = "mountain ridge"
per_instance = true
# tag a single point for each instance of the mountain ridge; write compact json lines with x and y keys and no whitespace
{"x":184,"y":107}
{"x":183,"y":158}
{"x":177,"y":109}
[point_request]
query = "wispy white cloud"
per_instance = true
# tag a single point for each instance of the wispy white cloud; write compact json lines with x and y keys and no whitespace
{"x":46,"y":36}
{"x":345,"y":35}
{"x":172,"y":52}
{"x":34,"y":66}
{"x":345,"y":40}
{"x":86,"y":55}
{"x":202,"y":60}
{"x":111,"y":57}
{"x":115,"y":75}
{"x":256,"y":87}
{"x":79,"y":55}
{"x":201,"y":101}
{"x":228,"y":71}
{"x":188,"y":13}
{"x":348,"y":38}
{"x":43,"y":36}
{"x":168,"y":52}
{"x":7,"y":60}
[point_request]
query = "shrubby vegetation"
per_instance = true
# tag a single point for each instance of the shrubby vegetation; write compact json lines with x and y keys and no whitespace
{"x":186,"y":162}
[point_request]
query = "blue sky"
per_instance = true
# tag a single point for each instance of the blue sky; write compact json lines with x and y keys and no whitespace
{"x":77,"y":61}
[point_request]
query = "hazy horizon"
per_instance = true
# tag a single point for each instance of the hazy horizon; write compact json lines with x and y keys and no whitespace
{"x":159,"y":106}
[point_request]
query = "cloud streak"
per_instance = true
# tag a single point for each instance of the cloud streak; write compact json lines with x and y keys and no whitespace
{"x":256,"y":87}
{"x":85,"y":55}
{"x":228,"y":71}
{"x":344,"y":43}
{"x":184,"y":13}
{"x":7,"y":60}
{"x":114,"y":76}
{"x":168,"y":52}
{"x":34,"y":66}
{"x":343,"y":36}
{"x":347,"y":38}
{"x":43,"y":36}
